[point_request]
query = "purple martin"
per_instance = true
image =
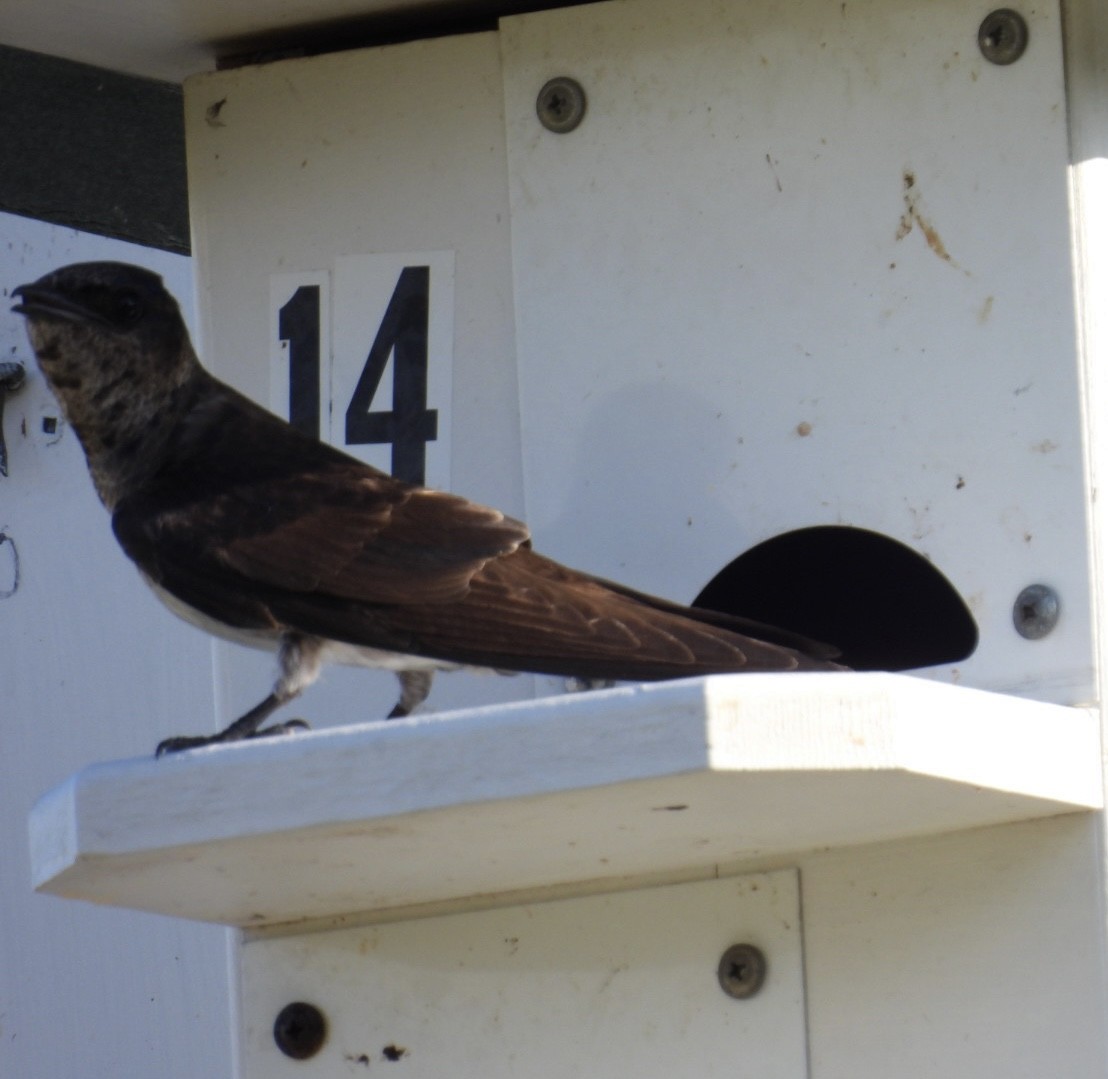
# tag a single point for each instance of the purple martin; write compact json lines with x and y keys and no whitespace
{"x":260,"y":534}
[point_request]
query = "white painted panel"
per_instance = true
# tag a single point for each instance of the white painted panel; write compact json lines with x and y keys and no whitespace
{"x":601,"y":986}
{"x":971,"y":956}
{"x":91,"y":666}
{"x":803,"y":264}
{"x":330,"y":163}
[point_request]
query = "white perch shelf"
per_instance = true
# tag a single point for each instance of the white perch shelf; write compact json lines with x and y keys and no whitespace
{"x":563,"y":793}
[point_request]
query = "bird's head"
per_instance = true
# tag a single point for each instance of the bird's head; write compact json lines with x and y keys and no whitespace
{"x":112,"y":344}
{"x":112,"y":303}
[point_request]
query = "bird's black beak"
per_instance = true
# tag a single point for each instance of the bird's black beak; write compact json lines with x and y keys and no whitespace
{"x":41,"y":301}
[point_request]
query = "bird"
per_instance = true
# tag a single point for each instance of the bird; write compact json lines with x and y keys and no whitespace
{"x":264,"y":535}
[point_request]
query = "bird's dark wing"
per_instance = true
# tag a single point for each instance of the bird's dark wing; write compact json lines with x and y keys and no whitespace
{"x":432,"y":575}
{"x":260,"y":527}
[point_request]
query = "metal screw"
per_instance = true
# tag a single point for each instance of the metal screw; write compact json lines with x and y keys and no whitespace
{"x":561,"y":104}
{"x":1002,"y":36}
{"x":1036,"y":610}
{"x":300,"y":1030}
{"x":742,"y":971}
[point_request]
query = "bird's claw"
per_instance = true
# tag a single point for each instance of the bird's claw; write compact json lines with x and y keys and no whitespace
{"x":184,"y":742}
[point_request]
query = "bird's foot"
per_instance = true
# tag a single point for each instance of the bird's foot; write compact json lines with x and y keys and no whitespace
{"x":183,"y":742}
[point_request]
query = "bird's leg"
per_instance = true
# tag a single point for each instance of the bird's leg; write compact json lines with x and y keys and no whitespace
{"x":414,"y":687}
{"x":300,"y":660}
{"x":246,"y":726}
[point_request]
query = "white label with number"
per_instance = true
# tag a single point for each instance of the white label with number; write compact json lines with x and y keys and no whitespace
{"x":363,"y":358}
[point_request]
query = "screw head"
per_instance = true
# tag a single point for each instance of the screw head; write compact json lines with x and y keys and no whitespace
{"x":1002,"y":36}
{"x":1036,"y":610}
{"x":300,"y":1030}
{"x":742,"y":971}
{"x":561,"y":104}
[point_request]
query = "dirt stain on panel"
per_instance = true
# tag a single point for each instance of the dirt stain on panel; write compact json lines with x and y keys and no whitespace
{"x":914,"y":217}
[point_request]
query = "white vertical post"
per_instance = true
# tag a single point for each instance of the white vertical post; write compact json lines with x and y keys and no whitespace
{"x":1085,"y":24}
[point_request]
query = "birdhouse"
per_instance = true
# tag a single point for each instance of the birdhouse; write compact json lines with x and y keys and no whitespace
{"x":783,"y":310}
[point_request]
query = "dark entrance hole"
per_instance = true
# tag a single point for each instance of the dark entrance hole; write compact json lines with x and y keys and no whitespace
{"x":881,"y":603}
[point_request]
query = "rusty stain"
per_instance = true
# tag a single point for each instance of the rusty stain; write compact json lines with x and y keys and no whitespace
{"x":913,"y":216}
{"x":986,"y":310}
{"x":934,"y":240}
{"x":804,"y":428}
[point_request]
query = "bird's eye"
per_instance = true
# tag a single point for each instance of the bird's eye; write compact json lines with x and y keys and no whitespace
{"x":127,"y":309}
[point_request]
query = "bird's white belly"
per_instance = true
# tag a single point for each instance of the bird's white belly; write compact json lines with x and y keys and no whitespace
{"x":348,"y":655}
{"x":356,"y":655}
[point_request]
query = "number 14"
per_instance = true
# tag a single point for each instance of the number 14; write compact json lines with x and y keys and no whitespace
{"x":402,"y":338}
